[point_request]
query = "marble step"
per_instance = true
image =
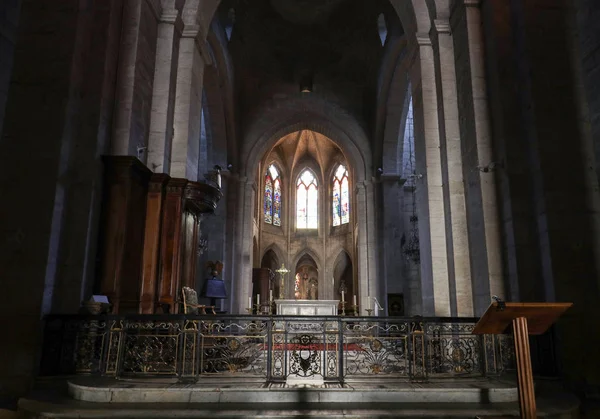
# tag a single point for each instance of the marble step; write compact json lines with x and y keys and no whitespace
{"x":29,"y":408}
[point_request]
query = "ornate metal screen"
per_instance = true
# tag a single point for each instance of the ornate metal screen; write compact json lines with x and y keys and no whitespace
{"x":272,"y":348}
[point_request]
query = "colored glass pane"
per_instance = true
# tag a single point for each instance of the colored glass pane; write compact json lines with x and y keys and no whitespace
{"x":277,"y":203}
{"x":307,"y":197}
{"x":341,"y":197}
{"x":336,"y":203}
{"x":268,"y":200}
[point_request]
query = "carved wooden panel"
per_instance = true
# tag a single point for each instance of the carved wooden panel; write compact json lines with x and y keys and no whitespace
{"x":154,"y":206}
{"x":121,"y":235}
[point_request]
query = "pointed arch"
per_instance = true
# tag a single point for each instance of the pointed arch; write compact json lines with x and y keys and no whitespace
{"x":307,"y":200}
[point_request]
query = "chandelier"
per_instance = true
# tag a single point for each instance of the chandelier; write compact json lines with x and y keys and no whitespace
{"x":411,"y":250}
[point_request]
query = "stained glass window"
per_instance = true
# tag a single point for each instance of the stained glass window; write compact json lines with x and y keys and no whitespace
{"x":272,"y":202}
{"x":341,"y":197}
{"x":307,"y":201}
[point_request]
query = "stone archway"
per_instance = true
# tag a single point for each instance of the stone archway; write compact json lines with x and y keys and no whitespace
{"x":306,"y":279}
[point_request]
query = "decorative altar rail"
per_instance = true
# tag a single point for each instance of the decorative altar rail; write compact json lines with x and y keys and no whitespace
{"x":271,"y":348}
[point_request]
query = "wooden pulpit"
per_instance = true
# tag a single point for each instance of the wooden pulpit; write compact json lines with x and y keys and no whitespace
{"x":526,"y":319}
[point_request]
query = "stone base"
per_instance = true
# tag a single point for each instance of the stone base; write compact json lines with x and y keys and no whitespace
{"x":142,"y":391}
{"x":127,"y":399}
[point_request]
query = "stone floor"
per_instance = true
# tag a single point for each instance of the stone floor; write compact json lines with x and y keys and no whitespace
{"x":52,"y":401}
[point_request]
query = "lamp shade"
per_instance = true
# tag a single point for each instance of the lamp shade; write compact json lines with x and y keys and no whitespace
{"x":214,"y":288}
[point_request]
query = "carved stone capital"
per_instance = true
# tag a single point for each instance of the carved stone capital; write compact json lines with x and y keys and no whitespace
{"x":442,"y":26}
{"x":169,"y":16}
{"x":190,"y":31}
{"x":423,"y":39}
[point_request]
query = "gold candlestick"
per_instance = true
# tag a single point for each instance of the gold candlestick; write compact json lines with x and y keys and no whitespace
{"x":355,"y":308}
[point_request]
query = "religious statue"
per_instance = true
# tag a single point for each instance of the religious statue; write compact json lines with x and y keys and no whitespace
{"x":313,"y":289}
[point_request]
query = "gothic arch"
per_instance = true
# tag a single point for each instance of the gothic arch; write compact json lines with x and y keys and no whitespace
{"x":277,"y":120}
{"x":307,"y":251}
{"x":273,"y":247}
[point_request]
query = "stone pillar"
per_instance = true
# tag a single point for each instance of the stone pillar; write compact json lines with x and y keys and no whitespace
{"x":188,"y":107}
{"x":392,"y":203}
{"x":161,"y":124}
{"x":121,"y":140}
{"x":459,"y":249}
{"x":427,"y":131}
{"x":374,"y":287}
{"x":243,"y":258}
{"x":362,"y":259}
{"x":484,"y":149}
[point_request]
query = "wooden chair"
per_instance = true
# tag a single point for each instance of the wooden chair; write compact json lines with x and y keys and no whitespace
{"x":190,"y":302}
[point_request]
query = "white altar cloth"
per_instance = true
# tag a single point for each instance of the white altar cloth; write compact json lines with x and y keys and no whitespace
{"x":307,"y":307}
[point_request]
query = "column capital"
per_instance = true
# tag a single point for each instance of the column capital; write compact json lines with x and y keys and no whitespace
{"x":168,"y":16}
{"x":190,"y":31}
{"x":442,"y":26}
{"x":423,"y":39}
{"x":472,"y":3}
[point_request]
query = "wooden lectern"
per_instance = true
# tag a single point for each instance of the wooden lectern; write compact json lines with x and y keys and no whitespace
{"x":526,"y":318}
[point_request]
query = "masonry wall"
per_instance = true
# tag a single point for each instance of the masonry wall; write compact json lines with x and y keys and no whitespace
{"x":58,"y":115}
{"x":9,"y":18}
{"x":588,"y":16}
{"x":548,"y":180}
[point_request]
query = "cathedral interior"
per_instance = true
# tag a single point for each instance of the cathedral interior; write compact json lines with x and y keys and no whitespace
{"x":399,"y":158}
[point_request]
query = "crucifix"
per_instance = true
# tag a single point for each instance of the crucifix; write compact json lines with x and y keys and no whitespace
{"x":282,"y":272}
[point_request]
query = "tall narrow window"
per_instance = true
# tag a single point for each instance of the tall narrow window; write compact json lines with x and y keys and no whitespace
{"x":307,"y":201}
{"x":341,"y":197}
{"x":272,"y":204}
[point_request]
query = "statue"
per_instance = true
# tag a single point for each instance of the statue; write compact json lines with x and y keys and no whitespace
{"x":313,"y":289}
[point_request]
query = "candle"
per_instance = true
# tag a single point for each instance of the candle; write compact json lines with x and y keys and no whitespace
{"x":270,"y":295}
{"x":249,"y":302}
{"x":369,"y":302}
{"x":354,"y":300}
{"x":257,"y":299}
{"x":343,"y":301}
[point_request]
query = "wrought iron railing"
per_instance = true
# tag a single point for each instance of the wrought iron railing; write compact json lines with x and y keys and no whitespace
{"x":272,"y":348}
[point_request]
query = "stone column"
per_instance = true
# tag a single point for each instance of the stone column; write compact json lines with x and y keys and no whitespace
{"x":161,"y":129}
{"x":121,"y":140}
{"x":459,"y":250}
{"x":188,"y":107}
{"x":243,"y":260}
{"x":484,"y":149}
{"x":427,"y":131}
{"x":362,"y":259}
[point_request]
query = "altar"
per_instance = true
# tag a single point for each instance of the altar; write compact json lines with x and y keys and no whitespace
{"x":307,"y":307}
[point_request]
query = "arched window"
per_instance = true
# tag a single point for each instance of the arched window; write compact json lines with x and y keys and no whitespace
{"x":307,"y":201}
{"x":272,"y":205}
{"x":341,"y":197}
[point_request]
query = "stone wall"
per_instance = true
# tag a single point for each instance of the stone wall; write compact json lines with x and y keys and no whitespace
{"x":548,"y":180}
{"x":9,"y":18}
{"x":57,"y":123}
{"x":588,"y":15}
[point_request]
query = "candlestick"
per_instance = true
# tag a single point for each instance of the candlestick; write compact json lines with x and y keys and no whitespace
{"x":354,"y":300}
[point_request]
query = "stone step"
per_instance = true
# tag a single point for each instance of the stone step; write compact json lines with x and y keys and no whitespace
{"x":39,"y":409}
{"x":236,"y":391}
{"x":359,"y":400}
